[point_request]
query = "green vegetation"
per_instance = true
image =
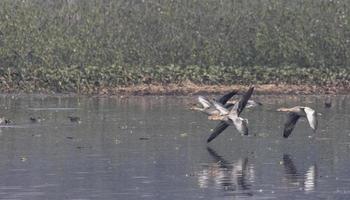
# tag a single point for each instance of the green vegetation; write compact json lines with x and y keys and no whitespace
{"x":74,"y":45}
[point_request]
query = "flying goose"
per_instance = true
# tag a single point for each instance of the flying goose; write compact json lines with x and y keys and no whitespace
{"x":231,"y":117}
{"x":294,"y":114}
{"x":207,"y":106}
{"x":250,"y":103}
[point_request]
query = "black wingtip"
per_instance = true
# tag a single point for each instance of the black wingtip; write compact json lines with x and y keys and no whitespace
{"x":227,"y":97}
{"x":218,"y":130}
{"x":233,"y":92}
{"x":209,"y":140}
{"x":251,"y":89}
{"x":213,"y":136}
{"x":244,"y":99}
{"x":285,"y":136}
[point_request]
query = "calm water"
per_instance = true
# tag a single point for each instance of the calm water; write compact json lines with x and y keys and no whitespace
{"x":154,"y":148}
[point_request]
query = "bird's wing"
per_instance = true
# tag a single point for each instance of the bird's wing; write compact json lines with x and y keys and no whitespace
{"x":229,"y":105}
{"x":220,"y":108}
{"x":204,"y":101}
{"x":217,"y":130}
{"x":226,"y":97}
{"x":240,"y":124}
{"x":238,"y":107}
{"x":311,"y":116}
{"x":290,"y":123}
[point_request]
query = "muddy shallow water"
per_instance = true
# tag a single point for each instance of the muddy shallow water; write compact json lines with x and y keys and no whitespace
{"x":155,"y":148}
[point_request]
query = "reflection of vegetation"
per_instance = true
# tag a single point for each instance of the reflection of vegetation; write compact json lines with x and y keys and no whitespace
{"x":72,"y":45}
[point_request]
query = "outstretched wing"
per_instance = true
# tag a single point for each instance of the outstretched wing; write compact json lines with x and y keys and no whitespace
{"x":311,"y":116}
{"x":204,"y":101}
{"x":226,"y":97}
{"x":238,"y":107}
{"x":220,"y":108}
{"x":217,"y":130}
{"x":229,"y":105}
{"x":290,"y":124}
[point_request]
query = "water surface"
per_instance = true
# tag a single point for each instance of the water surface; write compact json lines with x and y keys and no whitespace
{"x":155,"y":148}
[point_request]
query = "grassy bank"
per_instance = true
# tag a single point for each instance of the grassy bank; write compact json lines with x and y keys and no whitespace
{"x":164,"y":79}
{"x":80,"y":46}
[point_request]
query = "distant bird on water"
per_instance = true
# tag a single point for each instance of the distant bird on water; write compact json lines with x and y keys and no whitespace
{"x":74,"y":119}
{"x":35,"y":119}
{"x":3,"y":120}
{"x":231,"y":117}
{"x":208,"y":108}
{"x":328,"y":103}
{"x":294,"y":114}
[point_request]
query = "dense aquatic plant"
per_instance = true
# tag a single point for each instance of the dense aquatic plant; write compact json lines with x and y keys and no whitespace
{"x":70,"y":45}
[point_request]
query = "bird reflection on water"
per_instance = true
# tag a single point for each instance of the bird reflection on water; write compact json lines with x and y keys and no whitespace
{"x":232,"y":177}
{"x":305,"y":181}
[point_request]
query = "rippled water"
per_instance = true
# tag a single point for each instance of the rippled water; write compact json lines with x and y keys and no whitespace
{"x":154,"y":148}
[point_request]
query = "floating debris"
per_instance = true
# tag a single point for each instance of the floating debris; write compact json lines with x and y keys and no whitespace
{"x":144,"y":138}
{"x":123,"y":127}
{"x":117,"y":141}
{"x":36,"y":135}
{"x":183,"y":135}
{"x":23,"y":159}
{"x":83,"y":147}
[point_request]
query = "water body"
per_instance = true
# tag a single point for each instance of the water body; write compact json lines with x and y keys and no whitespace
{"x":154,"y":148}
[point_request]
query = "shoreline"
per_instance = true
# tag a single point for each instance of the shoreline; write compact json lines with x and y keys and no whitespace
{"x":263,"y":89}
{"x":188,"y":89}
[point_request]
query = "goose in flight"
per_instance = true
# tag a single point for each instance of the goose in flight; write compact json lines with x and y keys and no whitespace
{"x":231,"y":117}
{"x":250,"y":103}
{"x":294,"y":114}
{"x":208,"y":108}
